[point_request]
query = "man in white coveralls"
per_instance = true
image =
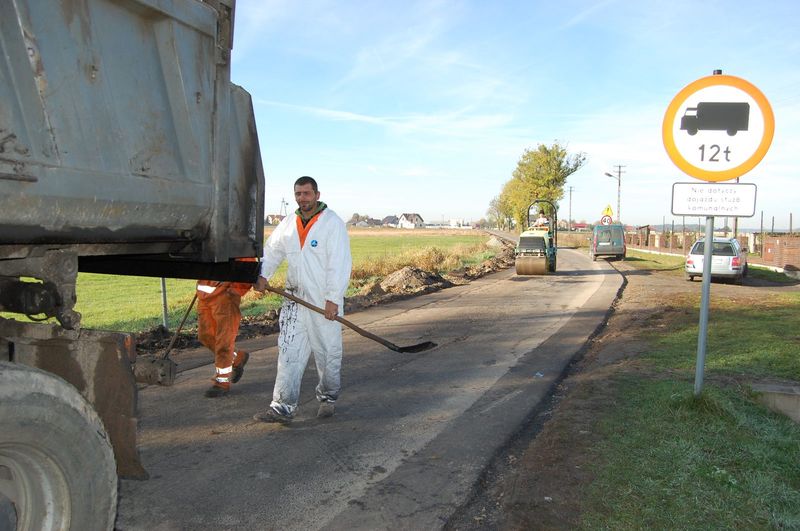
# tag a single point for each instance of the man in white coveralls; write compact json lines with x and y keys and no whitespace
{"x":315,"y":244}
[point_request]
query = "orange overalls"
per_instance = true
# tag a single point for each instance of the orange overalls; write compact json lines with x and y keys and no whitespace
{"x":218,"y":324}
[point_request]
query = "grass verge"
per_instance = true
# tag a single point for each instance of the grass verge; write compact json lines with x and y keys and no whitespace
{"x":665,"y":459}
{"x":755,"y":339}
{"x":769,"y":275}
{"x":670,"y":461}
{"x":655,"y":262}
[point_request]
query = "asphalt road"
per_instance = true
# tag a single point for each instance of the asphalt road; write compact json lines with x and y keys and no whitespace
{"x":412,"y":432}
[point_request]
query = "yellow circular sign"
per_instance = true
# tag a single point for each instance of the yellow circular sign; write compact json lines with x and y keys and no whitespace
{"x":724,"y":131}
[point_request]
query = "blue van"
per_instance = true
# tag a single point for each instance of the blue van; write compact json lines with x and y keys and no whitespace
{"x":608,"y":240}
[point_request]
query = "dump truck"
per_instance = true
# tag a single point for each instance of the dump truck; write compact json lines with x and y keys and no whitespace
{"x":537,"y":247}
{"x":730,"y":117}
{"x":124,"y":149}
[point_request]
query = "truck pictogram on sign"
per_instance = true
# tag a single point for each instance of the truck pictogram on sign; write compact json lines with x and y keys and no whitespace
{"x":730,"y":117}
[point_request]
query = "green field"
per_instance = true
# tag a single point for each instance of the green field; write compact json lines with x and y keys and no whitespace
{"x":133,"y":304}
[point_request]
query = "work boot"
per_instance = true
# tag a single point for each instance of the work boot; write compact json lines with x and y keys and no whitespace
{"x":218,"y":389}
{"x":239,"y":362}
{"x":273,"y":416}
{"x":326,"y":409}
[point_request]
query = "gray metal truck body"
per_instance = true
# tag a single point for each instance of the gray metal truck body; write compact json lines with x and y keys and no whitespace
{"x":121,"y":135}
{"x":124,"y":148}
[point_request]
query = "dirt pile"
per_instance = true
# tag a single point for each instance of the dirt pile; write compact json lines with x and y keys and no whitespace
{"x":413,"y":280}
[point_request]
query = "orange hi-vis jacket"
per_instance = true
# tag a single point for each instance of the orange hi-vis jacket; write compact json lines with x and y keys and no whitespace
{"x":209,"y":289}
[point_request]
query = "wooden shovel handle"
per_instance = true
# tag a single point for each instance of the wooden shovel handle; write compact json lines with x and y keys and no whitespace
{"x":342,"y":320}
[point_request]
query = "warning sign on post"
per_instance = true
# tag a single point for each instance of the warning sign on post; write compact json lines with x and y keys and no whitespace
{"x":714,"y":199}
{"x":718,"y":128}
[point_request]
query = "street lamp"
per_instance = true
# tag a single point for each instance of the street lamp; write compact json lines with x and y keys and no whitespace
{"x":618,"y":177}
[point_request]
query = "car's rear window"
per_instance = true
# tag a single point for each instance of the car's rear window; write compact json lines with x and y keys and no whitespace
{"x":718,"y":249}
{"x":604,"y":235}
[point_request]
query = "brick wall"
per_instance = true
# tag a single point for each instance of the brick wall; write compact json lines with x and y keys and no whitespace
{"x":781,"y":251}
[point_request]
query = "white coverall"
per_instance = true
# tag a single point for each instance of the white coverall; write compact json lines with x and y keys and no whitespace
{"x":318,"y":271}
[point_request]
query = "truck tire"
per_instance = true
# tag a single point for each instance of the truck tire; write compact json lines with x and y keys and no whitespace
{"x":57,"y":468}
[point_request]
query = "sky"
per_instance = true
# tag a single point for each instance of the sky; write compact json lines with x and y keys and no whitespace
{"x":427,"y":106}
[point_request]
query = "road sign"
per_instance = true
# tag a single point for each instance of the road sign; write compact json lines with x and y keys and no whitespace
{"x":607,"y":211}
{"x":606,"y":220}
{"x":714,"y":199}
{"x":718,"y":128}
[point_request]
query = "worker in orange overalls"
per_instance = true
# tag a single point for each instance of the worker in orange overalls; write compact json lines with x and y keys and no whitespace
{"x":217,"y":326}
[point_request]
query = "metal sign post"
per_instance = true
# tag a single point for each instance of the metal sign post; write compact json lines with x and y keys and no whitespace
{"x":164,"y":312}
{"x":702,"y":334}
{"x":716,"y":129}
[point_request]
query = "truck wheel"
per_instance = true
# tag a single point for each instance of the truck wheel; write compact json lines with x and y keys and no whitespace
{"x":57,"y":468}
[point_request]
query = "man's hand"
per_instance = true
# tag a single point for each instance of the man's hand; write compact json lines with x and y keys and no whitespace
{"x":331,"y":310}
{"x":261,"y":284}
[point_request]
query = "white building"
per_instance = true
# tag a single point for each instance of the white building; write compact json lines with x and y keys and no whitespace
{"x":410,"y":221}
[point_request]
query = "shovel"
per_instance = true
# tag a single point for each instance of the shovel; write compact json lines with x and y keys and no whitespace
{"x":162,"y":370}
{"x":411,"y":348}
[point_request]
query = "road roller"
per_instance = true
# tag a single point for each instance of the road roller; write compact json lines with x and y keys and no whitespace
{"x":535,"y":253}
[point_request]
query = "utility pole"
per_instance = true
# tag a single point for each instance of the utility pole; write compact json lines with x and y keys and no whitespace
{"x":569,"y":220}
{"x":618,"y":177}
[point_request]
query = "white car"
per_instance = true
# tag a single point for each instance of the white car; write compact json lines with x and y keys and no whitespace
{"x":728,"y":260}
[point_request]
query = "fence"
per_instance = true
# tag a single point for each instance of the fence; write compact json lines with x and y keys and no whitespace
{"x":781,"y":251}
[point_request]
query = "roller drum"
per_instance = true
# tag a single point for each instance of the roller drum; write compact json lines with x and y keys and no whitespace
{"x":531,"y":265}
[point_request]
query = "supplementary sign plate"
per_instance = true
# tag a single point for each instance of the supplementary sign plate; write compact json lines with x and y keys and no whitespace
{"x":714,"y":199}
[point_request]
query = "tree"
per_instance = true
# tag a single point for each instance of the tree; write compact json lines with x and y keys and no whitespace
{"x":355,"y":218}
{"x":494,"y":213}
{"x":541,"y":173}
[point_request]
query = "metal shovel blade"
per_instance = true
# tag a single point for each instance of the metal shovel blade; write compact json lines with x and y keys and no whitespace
{"x":416,"y":348}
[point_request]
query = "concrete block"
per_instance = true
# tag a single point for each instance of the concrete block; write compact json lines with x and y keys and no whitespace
{"x":780,"y":398}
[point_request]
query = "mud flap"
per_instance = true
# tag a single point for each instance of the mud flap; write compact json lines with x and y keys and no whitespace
{"x":98,"y":364}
